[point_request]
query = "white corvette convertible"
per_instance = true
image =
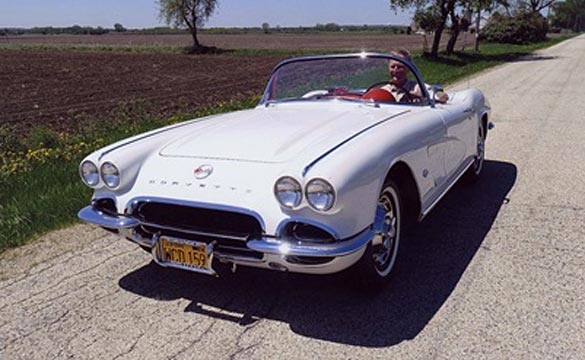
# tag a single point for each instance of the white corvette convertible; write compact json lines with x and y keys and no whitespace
{"x":324,"y":174}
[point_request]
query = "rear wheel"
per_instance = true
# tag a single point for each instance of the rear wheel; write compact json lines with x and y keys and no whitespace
{"x":474,"y":171}
{"x":376,"y":265}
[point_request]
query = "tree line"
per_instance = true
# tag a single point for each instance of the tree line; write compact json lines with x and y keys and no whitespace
{"x":74,"y":30}
{"x":264,"y":29}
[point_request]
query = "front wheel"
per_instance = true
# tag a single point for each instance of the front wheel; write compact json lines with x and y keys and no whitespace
{"x":376,"y":265}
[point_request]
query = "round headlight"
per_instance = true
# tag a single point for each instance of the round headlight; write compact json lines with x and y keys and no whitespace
{"x":320,"y":194}
{"x":110,"y":175}
{"x":89,"y":173}
{"x":288,"y":192}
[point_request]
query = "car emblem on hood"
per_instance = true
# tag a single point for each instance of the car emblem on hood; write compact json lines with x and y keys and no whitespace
{"x":203,"y":171}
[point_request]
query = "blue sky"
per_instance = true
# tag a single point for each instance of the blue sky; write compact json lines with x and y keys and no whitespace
{"x":230,"y":13}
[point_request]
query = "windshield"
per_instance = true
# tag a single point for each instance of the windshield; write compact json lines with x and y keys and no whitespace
{"x":380,"y":79}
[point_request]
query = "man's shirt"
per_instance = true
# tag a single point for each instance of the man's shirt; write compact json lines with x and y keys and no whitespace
{"x":407,"y":93}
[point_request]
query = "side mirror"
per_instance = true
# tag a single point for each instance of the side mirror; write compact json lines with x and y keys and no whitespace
{"x":438,"y":94}
{"x":435,"y":88}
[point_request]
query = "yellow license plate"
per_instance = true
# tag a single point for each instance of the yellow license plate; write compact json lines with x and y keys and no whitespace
{"x":184,"y":253}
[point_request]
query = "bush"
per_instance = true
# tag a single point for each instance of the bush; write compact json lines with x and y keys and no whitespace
{"x":41,"y":137}
{"x":524,"y":28}
{"x":10,"y":140}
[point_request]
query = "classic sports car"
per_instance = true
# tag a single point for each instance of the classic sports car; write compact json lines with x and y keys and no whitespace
{"x":322,"y":175}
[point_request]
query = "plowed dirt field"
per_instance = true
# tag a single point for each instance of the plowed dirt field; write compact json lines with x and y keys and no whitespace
{"x":54,"y":88}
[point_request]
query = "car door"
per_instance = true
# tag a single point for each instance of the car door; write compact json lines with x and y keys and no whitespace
{"x":459,"y":130}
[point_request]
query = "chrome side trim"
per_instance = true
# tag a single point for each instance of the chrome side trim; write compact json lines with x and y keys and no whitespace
{"x":308,"y":167}
{"x":92,"y":215}
{"x":430,"y":207}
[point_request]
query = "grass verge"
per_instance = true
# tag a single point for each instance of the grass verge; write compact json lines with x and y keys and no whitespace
{"x":40,"y":189}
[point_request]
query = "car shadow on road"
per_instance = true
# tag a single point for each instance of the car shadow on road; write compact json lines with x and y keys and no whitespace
{"x":332,"y":308}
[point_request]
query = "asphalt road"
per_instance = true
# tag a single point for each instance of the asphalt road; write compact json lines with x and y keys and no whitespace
{"x":496,"y":271}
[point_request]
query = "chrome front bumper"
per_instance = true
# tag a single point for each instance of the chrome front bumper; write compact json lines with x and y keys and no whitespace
{"x":276,"y":251}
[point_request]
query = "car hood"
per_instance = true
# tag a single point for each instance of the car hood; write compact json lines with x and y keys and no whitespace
{"x":276,"y":133}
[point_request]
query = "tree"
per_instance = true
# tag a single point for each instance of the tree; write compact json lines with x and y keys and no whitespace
{"x":514,"y":7}
{"x":266,"y":28}
{"x":537,"y":5}
{"x":461,"y":15}
{"x":456,"y":27}
{"x":477,"y":6}
{"x":442,"y":7}
{"x":119,"y":27}
{"x":190,"y":13}
{"x":569,"y":14}
{"x":428,"y":18}
{"x":522,"y":28}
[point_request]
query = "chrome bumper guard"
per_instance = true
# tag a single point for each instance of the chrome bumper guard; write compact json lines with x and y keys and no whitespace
{"x":92,"y":215}
{"x":125,"y":224}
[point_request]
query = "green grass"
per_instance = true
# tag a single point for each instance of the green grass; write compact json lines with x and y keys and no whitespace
{"x":44,"y":199}
{"x":48,"y":196}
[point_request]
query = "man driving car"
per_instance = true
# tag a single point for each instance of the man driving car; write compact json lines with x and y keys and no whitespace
{"x":401,"y":87}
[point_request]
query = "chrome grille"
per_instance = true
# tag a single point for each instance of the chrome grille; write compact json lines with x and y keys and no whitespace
{"x":228,"y":229}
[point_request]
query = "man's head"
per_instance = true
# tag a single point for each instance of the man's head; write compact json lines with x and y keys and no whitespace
{"x":402,"y":52}
{"x":398,"y":70}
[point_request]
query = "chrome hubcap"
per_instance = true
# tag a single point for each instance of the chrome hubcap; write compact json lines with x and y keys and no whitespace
{"x":385,"y":242}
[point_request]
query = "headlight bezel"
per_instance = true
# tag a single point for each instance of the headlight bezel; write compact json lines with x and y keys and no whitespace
{"x":296,"y":184}
{"x":326,"y":188}
{"x":85,"y":180}
{"x":104,"y":173}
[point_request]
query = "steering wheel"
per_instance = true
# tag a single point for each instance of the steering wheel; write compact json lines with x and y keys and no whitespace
{"x":376,"y":85}
{"x":379,"y":95}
